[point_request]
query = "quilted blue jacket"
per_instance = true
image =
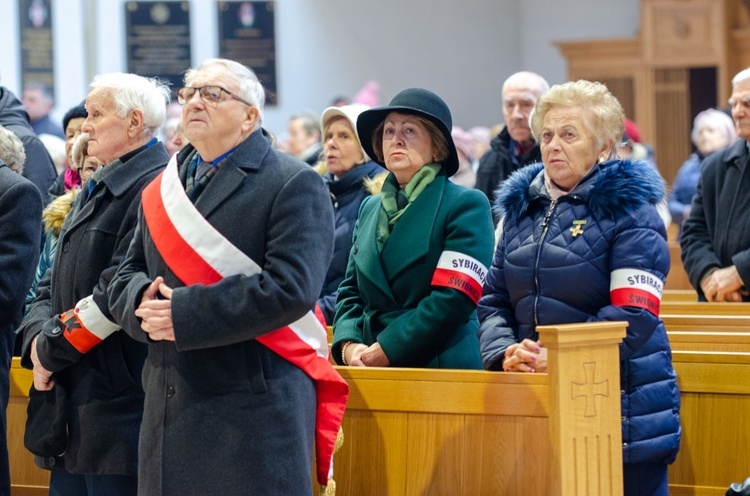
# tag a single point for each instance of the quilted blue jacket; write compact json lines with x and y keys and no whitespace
{"x":597,"y":253}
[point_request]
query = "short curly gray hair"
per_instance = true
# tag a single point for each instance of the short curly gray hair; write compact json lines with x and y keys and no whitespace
{"x":604,"y":117}
{"x":11,"y":150}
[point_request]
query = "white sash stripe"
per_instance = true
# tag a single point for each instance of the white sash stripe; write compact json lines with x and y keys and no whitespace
{"x":221,"y":254}
{"x":636,"y":279}
{"x":210,"y":244}
{"x":93,"y":319}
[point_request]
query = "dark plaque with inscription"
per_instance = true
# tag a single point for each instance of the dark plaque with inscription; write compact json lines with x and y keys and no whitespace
{"x":36,"y":42}
{"x":247,"y":35}
{"x":158,"y":40}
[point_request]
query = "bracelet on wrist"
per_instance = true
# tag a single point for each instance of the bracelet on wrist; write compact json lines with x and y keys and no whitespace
{"x":343,"y":352}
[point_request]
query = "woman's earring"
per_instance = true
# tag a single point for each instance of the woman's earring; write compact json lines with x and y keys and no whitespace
{"x":601,"y":160}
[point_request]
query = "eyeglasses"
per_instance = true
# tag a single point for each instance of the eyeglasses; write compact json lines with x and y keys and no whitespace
{"x":209,"y":94}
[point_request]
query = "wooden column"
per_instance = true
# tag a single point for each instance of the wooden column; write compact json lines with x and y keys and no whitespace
{"x":584,"y":393}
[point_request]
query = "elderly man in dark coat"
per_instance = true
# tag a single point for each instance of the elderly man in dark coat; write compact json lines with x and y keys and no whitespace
{"x":20,"y":235}
{"x":230,"y":253}
{"x":70,"y":336}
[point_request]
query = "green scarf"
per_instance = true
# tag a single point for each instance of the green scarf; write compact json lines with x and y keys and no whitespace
{"x":395,"y":201}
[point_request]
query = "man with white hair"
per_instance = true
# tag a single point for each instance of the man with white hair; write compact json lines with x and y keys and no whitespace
{"x":514,"y":147}
{"x":230,"y":253}
{"x":715,"y":237}
{"x":70,"y":338}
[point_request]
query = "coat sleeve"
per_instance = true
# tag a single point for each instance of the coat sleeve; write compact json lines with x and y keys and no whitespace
{"x":59,"y":350}
{"x":469,"y":231}
{"x":640,"y":248}
{"x":347,"y":321}
{"x":497,"y":322}
{"x":298,"y":250}
{"x":695,"y":240}
{"x":20,"y":237}
{"x":126,"y":288}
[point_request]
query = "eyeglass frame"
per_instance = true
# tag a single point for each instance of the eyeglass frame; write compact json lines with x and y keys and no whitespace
{"x":199,"y":89}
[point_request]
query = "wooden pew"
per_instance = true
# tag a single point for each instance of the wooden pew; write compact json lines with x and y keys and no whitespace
{"x":446,"y":432}
{"x":703,"y":308}
{"x":417,"y":431}
{"x":706,"y":323}
{"x":715,"y":418}
{"x":688,"y":295}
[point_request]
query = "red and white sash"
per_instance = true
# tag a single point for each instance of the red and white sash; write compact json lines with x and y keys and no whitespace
{"x":199,"y":254}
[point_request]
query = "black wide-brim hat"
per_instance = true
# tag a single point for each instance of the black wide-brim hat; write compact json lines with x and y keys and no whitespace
{"x":416,"y":101}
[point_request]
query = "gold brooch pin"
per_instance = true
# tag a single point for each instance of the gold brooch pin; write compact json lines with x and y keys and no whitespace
{"x":577,"y":229}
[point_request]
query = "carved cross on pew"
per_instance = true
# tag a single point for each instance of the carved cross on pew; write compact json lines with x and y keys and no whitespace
{"x":589,"y":389}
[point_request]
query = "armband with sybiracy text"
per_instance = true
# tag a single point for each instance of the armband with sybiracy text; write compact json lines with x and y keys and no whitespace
{"x":462,"y":272}
{"x":86,"y":325}
{"x":636,"y":288}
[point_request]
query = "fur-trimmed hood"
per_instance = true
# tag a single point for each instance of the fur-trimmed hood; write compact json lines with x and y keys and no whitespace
{"x":612,"y":189}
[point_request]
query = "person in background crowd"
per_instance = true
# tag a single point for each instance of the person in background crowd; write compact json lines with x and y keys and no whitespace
{"x":420,"y":248}
{"x":39,"y":101}
{"x":304,"y":137}
{"x":174,"y":136}
{"x":630,"y":149}
{"x":585,"y":215}
{"x":20,"y":235}
{"x":225,"y":305}
{"x":715,"y":238}
{"x":514,"y":147}
{"x":712,"y":131}
{"x":38,"y":168}
{"x":465,"y":146}
{"x":70,"y":338}
{"x":351,"y":177}
{"x":72,"y":122}
{"x":56,"y":148}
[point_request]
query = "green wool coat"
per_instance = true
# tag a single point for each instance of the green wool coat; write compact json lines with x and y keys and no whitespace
{"x":388,"y":297}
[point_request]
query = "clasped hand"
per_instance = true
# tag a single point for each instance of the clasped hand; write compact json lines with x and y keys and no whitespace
{"x":723,"y":285}
{"x":155,"y":311}
{"x":526,"y":356}
{"x":361,"y":355}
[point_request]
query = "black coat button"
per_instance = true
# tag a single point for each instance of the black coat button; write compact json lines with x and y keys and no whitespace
{"x":170,"y":392}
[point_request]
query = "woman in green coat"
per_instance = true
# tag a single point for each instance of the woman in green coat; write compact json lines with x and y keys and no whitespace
{"x":421,"y":248}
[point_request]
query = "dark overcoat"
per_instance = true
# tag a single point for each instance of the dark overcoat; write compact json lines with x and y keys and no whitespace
{"x":104,"y":385}
{"x":716,"y":234}
{"x":20,"y":235}
{"x":388,"y":297}
{"x":223,"y":414}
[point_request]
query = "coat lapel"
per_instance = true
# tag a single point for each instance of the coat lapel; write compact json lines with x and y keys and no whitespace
{"x":365,"y":250}
{"x":247,"y":157}
{"x":410,"y":239}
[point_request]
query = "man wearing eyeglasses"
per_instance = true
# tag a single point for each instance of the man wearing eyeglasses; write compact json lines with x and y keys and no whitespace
{"x":715,"y":238}
{"x":229,"y":256}
{"x":70,"y":339}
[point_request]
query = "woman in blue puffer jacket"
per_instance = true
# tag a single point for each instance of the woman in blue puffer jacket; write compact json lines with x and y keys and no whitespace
{"x":581,"y":240}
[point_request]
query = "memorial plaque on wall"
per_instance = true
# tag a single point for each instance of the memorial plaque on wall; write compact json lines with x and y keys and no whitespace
{"x":247,"y":35}
{"x":35,"y":29}
{"x":158,"y":40}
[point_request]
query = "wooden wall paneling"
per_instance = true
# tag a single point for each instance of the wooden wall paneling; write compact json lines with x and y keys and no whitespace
{"x":684,"y":33}
{"x":673,"y":125}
